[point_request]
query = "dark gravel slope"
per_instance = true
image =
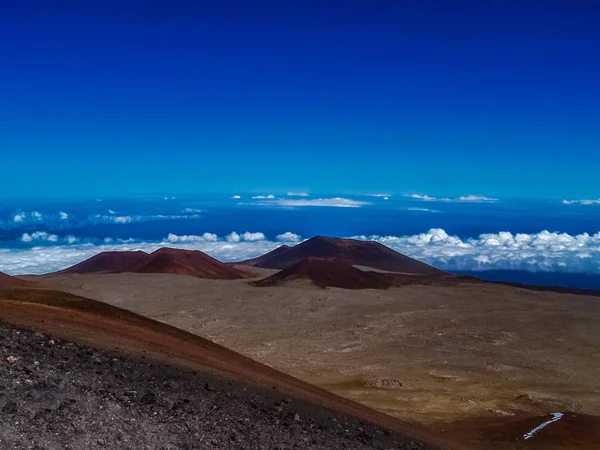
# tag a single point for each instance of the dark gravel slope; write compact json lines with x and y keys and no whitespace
{"x":56,"y":394}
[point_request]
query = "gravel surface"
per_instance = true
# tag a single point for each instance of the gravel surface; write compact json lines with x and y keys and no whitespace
{"x":56,"y":394}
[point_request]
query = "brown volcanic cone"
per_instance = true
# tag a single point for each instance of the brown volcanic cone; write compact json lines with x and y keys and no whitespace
{"x":108,"y":262}
{"x":8,"y":282}
{"x":165,"y":260}
{"x":272,"y":254}
{"x":327,"y":273}
{"x":186,"y":262}
{"x":358,"y":253}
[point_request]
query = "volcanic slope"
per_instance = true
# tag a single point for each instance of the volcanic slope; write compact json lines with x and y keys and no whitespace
{"x":357,"y":253}
{"x":7,"y":281}
{"x":164,"y":260}
{"x":124,"y":381}
{"x":327,"y":273}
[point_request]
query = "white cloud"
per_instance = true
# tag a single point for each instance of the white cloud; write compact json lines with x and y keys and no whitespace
{"x":112,"y":218}
{"x":288,"y":236}
{"x":381,"y":195}
{"x":327,"y":202}
{"x":263,"y":197}
{"x":462,"y":198}
{"x":424,"y":197}
{"x":582,"y":202}
{"x":250,"y":237}
{"x":206,"y":237}
{"x":385,"y":198}
{"x":476,"y":198}
{"x":192,"y":210}
{"x":110,"y":211}
{"x":247,"y":236}
{"x":233,"y":237}
{"x":544,"y":251}
{"x":297,"y":194}
{"x":422,"y":210}
{"x":122,"y":219}
{"x":39,"y":236}
{"x":19,"y":218}
{"x":63,"y":215}
{"x":237,"y":196}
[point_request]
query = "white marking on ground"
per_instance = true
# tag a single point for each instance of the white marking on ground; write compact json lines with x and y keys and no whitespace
{"x":555,"y":418}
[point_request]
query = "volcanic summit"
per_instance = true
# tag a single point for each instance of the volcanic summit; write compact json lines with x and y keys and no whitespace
{"x":350,"y":251}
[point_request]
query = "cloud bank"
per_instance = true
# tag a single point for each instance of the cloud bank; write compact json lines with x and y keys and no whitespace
{"x":336,"y":202}
{"x":270,"y":197}
{"x":581,"y":202}
{"x":543,"y":251}
{"x":462,"y":198}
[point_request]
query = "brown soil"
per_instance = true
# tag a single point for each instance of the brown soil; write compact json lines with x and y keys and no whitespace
{"x":8,"y":282}
{"x":572,"y":431}
{"x":57,"y":394}
{"x":327,"y":273}
{"x":421,"y":353}
{"x":350,"y":251}
{"x":108,"y":262}
{"x":164,"y":260}
{"x":101,"y":325}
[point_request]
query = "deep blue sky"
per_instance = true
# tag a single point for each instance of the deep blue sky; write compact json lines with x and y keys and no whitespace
{"x":495,"y":98}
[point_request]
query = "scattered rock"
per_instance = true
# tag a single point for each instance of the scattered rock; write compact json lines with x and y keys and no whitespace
{"x":10,"y":408}
{"x":134,"y":404}
{"x":149,"y":398}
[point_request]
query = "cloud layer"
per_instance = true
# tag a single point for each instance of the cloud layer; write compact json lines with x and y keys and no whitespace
{"x":582,"y":202}
{"x":543,"y":251}
{"x":462,"y":198}
{"x":336,"y":202}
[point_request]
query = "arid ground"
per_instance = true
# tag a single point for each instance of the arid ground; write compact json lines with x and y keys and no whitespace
{"x":426,"y":354}
{"x":76,"y":373}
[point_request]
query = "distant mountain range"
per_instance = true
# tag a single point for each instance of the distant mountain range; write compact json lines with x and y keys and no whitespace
{"x":324,"y":261}
{"x":165,"y":260}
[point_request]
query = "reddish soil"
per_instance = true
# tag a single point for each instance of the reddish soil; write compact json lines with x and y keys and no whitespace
{"x":327,"y":273}
{"x":359,"y":253}
{"x":107,"y":262}
{"x":101,"y":325}
{"x":165,"y":260}
{"x":572,"y":431}
{"x":8,"y":282}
